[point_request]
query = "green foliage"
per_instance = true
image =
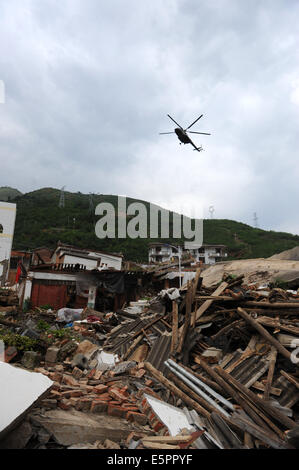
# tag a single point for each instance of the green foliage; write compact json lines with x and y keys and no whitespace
{"x":8,"y":194}
{"x":40,"y":222}
{"x":21,"y":343}
{"x":27,"y":305}
{"x":43,"y":325}
{"x":46,"y":307}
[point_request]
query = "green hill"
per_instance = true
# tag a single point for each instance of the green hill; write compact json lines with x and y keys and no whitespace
{"x":8,"y":194}
{"x":41,"y":222}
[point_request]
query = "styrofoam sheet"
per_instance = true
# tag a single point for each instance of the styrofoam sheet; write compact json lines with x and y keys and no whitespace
{"x":19,"y":389}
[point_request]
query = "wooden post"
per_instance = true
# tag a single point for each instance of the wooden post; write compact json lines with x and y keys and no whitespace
{"x":187,"y":320}
{"x":280,"y":348}
{"x":132,"y":347}
{"x":175,"y":325}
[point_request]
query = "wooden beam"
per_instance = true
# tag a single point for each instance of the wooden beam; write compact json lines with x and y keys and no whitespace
{"x":235,"y":395}
{"x":258,"y":432}
{"x":269,"y":409}
{"x":264,"y":333}
{"x":170,"y":385}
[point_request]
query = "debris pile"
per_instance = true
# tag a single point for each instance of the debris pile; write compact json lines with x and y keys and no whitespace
{"x":197,"y":367}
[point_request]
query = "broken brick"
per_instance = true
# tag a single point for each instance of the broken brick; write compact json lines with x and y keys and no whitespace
{"x":101,"y":388}
{"x":138,"y":418}
{"x":83,"y":404}
{"x":118,"y":411}
{"x":64,"y":404}
{"x":69,"y":380}
{"x":77,"y":373}
{"x":99,"y":406}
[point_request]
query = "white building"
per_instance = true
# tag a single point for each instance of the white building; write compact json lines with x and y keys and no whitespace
{"x":7,"y":228}
{"x":207,"y":254}
{"x":67,"y":254}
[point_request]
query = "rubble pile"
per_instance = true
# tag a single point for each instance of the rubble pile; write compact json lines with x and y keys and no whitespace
{"x":197,"y":367}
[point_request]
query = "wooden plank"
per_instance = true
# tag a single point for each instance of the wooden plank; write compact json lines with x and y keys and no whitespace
{"x":259,"y":432}
{"x":271,"y":370}
{"x":194,"y":289}
{"x":156,"y":445}
{"x":167,"y":439}
{"x":195,"y":284}
{"x":175,"y":325}
{"x":186,"y":322}
{"x":261,"y":387}
{"x":208,"y":303}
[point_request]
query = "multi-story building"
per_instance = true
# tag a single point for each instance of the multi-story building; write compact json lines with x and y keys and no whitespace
{"x":207,"y":254}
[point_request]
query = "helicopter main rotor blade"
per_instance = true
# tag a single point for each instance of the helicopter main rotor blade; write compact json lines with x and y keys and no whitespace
{"x":175,"y":121}
{"x":194,"y":122}
{"x":161,"y":133}
{"x":193,"y":132}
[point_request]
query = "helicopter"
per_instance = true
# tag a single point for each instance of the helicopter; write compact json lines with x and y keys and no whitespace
{"x":182,"y":133}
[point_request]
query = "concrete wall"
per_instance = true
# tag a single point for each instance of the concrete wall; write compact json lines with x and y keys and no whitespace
{"x":7,"y":227}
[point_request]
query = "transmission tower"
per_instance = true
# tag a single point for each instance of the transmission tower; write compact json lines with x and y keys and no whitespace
{"x":255,"y":220}
{"x":61,"y":199}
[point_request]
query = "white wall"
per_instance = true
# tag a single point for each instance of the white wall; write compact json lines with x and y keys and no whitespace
{"x":111,"y":261}
{"x":89,"y":263}
{"x":7,"y":220}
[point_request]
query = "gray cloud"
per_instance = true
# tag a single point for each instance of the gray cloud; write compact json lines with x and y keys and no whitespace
{"x":89,"y":84}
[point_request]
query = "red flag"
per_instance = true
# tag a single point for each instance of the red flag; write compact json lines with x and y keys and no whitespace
{"x":19,"y":272}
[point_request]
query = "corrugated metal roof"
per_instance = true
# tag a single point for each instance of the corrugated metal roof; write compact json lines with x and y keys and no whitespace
{"x":160,"y":352}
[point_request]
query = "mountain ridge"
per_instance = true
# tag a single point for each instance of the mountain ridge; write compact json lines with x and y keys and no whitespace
{"x":41,"y":222}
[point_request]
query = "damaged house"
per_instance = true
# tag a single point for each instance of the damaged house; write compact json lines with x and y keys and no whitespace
{"x":76,"y":278}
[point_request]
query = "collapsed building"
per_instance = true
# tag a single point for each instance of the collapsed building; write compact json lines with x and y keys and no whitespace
{"x":212,"y":364}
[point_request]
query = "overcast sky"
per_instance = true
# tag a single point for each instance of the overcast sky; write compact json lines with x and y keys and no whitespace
{"x":89,"y":83}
